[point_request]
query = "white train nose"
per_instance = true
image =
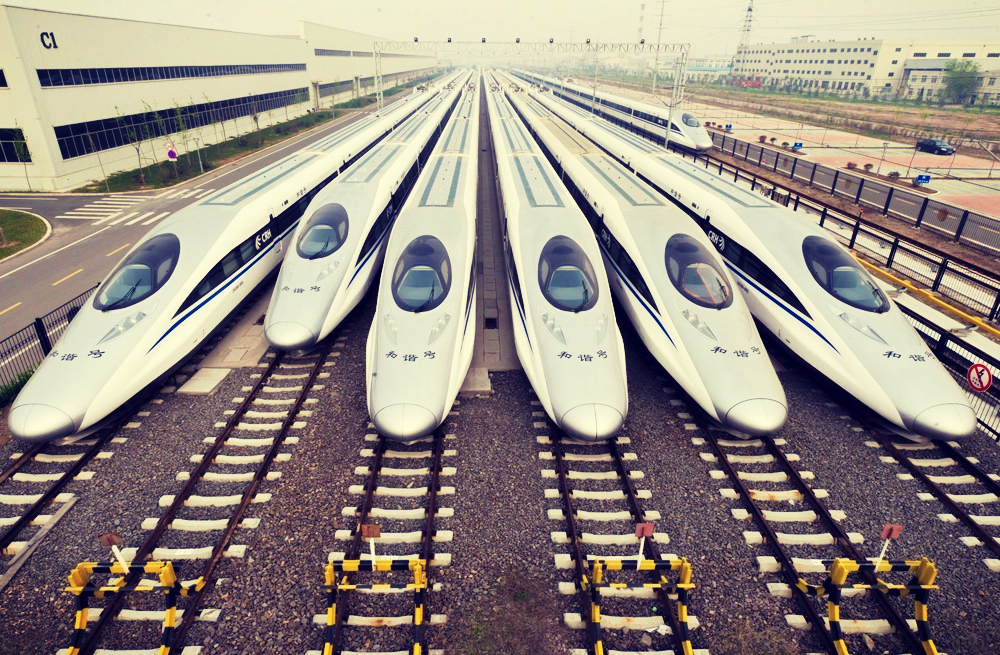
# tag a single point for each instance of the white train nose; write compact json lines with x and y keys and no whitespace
{"x":40,"y":423}
{"x":592,"y":422}
{"x":950,"y":421}
{"x":405,"y":422}
{"x":289,"y":335}
{"x":757,"y":416}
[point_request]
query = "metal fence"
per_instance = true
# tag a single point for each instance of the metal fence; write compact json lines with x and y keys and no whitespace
{"x":957,"y":356}
{"x":967,"y":284}
{"x":24,"y":350}
{"x":962,"y":225}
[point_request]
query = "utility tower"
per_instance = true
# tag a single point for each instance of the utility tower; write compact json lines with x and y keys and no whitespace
{"x":642,"y":18}
{"x":739,"y":61}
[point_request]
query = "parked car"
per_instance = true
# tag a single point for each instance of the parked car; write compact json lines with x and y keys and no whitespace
{"x":936,"y":147}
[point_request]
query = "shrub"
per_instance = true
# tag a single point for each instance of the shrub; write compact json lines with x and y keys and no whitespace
{"x":773,"y":140}
{"x":784,"y":144}
{"x":894,"y":175}
{"x":868,"y":168}
{"x":852,"y":165}
{"x":762,"y":138}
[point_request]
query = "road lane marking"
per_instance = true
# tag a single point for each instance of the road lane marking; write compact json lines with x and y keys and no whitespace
{"x":67,"y":277}
{"x":204,"y":193}
{"x":118,"y":249}
{"x":54,"y":252}
{"x":14,"y":306}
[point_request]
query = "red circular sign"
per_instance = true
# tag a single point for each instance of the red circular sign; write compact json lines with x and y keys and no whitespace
{"x":979,"y":377}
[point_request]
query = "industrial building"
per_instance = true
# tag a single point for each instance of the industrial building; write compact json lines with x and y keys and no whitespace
{"x":82,"y":97}
{"x":908,"y":69}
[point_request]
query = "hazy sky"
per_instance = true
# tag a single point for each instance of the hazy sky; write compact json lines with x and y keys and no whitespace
{"x":712,"y":27}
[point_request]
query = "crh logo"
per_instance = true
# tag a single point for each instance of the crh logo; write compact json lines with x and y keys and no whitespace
{"x":717,"y":239}
{"x":262,"y":239}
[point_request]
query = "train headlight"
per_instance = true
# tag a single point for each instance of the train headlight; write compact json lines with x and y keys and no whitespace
{"x":438,"y":329}
{"x":699,"y":324}
{"x":554,"y":328}
{"x":861,"y":327}
{"x":329,"y":269}
{"x":390,"y":328}
{"x":602,"y":328}
{"x":123,"y":326}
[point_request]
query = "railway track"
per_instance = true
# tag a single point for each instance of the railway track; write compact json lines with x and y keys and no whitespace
{"x":606,"y":529}
{"x":790,"y":517}
{"x":379,"y":587}
{"x":203,"y":521}
{"x":954,"y":480}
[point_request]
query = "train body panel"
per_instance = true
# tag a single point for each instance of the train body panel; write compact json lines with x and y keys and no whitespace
{"x":671,"y":282}
{"x":650,"y":120}
{"x":339,"y":245}
{"x":806,"y":289}
{"x":564,"y":323}
{"x":421,"y":340}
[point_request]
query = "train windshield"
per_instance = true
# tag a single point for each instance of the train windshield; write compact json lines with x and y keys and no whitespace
{"x":842,"y":276}
{"x":566,"y":276}
{"x":325,"y":232}
{"x":422,"y":276}
{"x":693,"y":270}
{"x":140,"y":274}
{"x":690,"y":120}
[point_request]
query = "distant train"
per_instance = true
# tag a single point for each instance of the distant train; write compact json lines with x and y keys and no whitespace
{"x":564,"y":320}
{"x":179,"y":283}
{"x":648,"y":120}
{"x":339,"y":245}
{"x":805,"y":288}
{"x":421,"y":340}
{"x":670,"y":280}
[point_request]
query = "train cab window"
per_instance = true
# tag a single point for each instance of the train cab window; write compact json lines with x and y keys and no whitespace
{"x":422,"y":276}
{"x":690,"y":120}
{"x":841,"y":275}
{"x":566,"y":276}
{"x":141,"y":274}
{"x":324,"y":233}
{"x":694,"y":272}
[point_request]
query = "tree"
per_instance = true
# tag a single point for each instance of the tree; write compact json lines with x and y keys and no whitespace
{"x":21,"y":151}
{"x":129,"y":131}
{"x":960,"y":78}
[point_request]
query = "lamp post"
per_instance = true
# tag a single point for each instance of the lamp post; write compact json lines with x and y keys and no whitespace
{"x":198,"y":152}
{"x":885,"y":144}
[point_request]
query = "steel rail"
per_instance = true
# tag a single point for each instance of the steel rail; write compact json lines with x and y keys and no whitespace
{"x":152,"y":539}
{"x":21,"y":461}
{"x":46,"y":498}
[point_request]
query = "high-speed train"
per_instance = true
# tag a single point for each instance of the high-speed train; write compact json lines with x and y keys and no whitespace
{"x":564,"y":320}
{"x":421,"y":339}
{"x":337,"y":248}
{"x":671,"y":281}
{"x":649,"y":120}
{"x":805,"y":288}
{"x":179,"y":283}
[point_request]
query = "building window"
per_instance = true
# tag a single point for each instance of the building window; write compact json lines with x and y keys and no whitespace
{"x":992,"y":81}
{"x":919,"y":54}
{"x":899,"y":49}
{"x":968,"y":54}
{"x":81,"y":76}
{"x":79,"y":139}
{"x":993,"y":54}
{"x":891,"y":74}
{"x":895,"y":61}
{"x":3,"y":80}
{"x":12,"y":144}
{"x":934,"y":80}
{"x":923,"y":79}
{"x":944,"y":54}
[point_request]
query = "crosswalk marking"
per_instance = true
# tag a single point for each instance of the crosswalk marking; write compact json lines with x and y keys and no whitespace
{"x":205,"y":193}
{"x":156,"y":218}
{"x":124,"y":218}
{"x":102,"y":208}
{"x":141,"y":218}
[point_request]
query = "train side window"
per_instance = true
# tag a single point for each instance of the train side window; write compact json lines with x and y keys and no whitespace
{"x":140,"y":274}
{"x":247,"y":250}
{"x":566,"y":276}
{"x":841,"y":276}
{"x":230,"y":264}
{"x":325,"y":232}
{"x":422,"y":277}
{"x":694,"y":273}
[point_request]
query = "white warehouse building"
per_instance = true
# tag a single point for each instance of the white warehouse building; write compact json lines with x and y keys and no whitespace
{"x":877,"y":67}
{"x":82,"y":97}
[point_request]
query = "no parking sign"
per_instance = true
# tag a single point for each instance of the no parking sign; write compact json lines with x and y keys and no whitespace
{"x":979,"y":377}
